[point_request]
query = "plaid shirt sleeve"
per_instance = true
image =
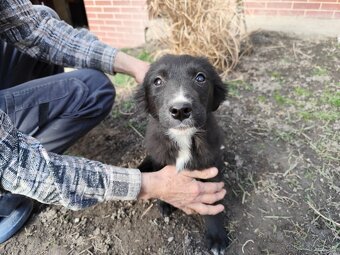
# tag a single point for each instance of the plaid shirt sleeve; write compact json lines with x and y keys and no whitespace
{"x":27,"y":168}
{"x":41,"y":36}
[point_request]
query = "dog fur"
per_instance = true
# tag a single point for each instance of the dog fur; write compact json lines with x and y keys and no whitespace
{"x":180,"y":94}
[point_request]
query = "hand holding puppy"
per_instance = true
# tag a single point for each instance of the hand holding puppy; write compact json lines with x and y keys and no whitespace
{"x":183,"y":191}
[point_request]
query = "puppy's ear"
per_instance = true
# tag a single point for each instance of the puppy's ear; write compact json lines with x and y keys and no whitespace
{"x":219,"y":93}
{"x":141,"y":98}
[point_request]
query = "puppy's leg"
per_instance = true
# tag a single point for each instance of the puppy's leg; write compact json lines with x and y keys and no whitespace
{"x":216,"y":234}
{"x":148,"y":165}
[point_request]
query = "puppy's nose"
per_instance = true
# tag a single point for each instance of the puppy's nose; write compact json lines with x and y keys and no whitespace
{"x":181,"y":111}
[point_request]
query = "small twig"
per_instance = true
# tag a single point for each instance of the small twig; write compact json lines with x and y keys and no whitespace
{"x":125,"y":113}
{"x":115,"y":236}
{"x":323,"y":216}
{"x":277,"y":217}
{"x":90,"y":238}
{"x":290,"y":169}
{"x":86,"y":249}
{"x":137,"y":132}
{"x":120,"y":242}
{"x":147,"y":210}
{"x":303,"y":54}
{"x":294,"y":51}
{"x":244,"y":245}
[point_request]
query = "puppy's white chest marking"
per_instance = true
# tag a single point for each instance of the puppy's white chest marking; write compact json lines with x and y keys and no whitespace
{"x":183,"y":138}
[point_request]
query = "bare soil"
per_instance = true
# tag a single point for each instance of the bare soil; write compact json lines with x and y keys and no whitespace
{"x":281,"y":152}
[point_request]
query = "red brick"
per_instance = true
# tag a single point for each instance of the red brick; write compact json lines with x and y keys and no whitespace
{"x":138,"y":1}
{"x":113,"y":22}
{"x":113,"y":9}
{"x":129,"y":30}
{"x":89,"y":2}
{"x":93,"y":9}
{"x":123,"y":16}
{"x":131,"y":23}
{"x":255,"y":4}
{"x":105,"y":15}
{"x":96,"y":22}
{"x":278,"y":5}
{"x":290,"y":13}
{"x":319,"y":14}
{"x":108,"y":28}
{"x":305,"y":6}
{"x":265,"y":12}
{"x":131,"y":10}
{"x":94,"y":27}
{"x":337,"y":15}
{"x":103,"y":2}
{"x":329,"y":1}
{"x":331,"y":7}
{"x":91,"y":15}
{"x":119,"y":2}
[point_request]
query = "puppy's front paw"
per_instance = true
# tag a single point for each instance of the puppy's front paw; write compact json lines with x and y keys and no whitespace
{"x":166,"y":209}
{"x":217,"y":241}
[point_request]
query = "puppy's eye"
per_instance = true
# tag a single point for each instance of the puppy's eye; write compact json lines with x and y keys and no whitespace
{"x":200,"y":77}
{"x":158,"y":82}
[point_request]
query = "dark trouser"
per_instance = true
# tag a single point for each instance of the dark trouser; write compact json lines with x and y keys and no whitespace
{"x":58,"y":109}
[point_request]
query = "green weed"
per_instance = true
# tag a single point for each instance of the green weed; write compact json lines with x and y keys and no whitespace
{"x":319,"y":71}
{"x":261,"y":99}
{"x":282,"y":100}
{"x":302,"y":92}
{"x":332,"y":98}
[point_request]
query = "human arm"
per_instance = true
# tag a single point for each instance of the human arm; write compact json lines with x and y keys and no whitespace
{"x":27,"y":168}
{"x":38,"y":34}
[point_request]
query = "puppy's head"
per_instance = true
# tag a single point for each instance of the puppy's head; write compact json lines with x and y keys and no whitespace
{"x":180,"y":91}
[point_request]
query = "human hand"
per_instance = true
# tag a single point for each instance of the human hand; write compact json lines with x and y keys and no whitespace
{"x":142,"y":68}
{"x":181,"y":190}
{"x":132,"y":66}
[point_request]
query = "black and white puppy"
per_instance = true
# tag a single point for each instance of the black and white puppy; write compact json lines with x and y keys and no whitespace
{"x":180,"y":93}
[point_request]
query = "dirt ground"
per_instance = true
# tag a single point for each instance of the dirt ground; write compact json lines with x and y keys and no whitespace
{"x":281,"y":124}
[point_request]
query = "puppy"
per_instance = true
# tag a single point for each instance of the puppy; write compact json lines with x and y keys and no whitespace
{"x":180,"y":94}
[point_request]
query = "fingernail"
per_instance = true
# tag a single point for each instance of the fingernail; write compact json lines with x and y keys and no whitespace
{"x":214,"y":171}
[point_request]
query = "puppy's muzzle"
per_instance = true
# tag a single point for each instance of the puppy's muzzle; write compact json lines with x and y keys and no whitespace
{"x":181,"y":111}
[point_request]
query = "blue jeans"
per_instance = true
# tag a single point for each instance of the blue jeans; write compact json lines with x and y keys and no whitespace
{"x":58,"y":109}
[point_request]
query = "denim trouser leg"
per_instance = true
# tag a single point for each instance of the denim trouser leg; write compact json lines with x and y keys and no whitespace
{"x":59,"y":109}
{"x":17,"y":67}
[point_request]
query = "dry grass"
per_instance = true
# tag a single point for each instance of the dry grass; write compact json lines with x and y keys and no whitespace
{"x":213,"y":29}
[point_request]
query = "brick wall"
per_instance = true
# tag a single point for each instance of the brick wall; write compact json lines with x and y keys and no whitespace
{"x":121,"y":23}
{"x":324,"y":9}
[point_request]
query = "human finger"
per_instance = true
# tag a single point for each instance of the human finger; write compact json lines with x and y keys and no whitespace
{"x":201,"y":174}
{"x":209,"y":187}
{"x":211,"y":198}
{"x":204,"y":209}
{"x":188,"y":211}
